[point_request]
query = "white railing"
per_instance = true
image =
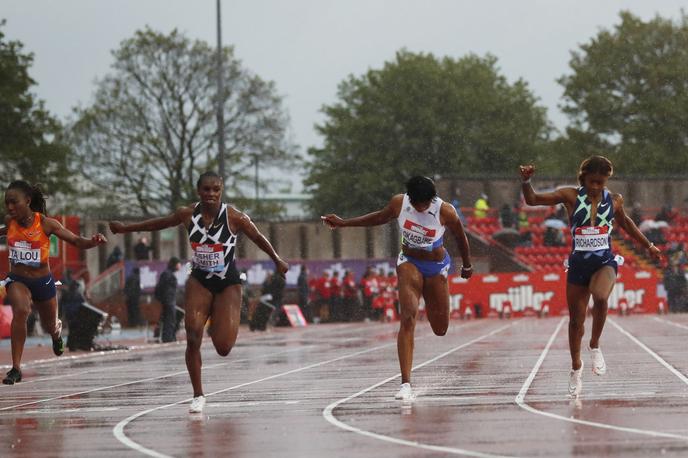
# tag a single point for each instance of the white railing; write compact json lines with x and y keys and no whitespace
{"x":106,"y":284}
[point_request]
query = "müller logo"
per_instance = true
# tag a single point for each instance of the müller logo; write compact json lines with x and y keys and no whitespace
{"x":415,"y":227}
{"x":521,"y":298}
{"x":591,"y":230}
{"x":206,"y":248}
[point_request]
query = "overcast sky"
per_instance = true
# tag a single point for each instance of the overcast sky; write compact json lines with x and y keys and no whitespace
{"x":308,"y":46}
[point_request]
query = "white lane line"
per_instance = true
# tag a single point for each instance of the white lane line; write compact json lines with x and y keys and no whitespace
{"x":133,"y":382}
{"x":58,"y":377}
{"x":659,"y":359}
{"x":520,"y":399}
{"x":524,"y":389}
{"x":247,"y":341}
{"x":329,"y":415}
{"x":669,"y":322}
{"x":103,"y":388}
{"x":64,"y":359}
{"x":74,"y":410}
{"x":118,"y":430}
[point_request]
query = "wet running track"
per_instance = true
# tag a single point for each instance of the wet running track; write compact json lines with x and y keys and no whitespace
{"x":487,"y":388}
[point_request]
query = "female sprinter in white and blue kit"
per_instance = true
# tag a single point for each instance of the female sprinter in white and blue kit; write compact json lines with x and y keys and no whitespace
{"x":423,"y":264}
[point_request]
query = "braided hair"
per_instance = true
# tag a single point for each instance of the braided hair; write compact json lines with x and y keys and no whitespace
{"x":33,"y":192}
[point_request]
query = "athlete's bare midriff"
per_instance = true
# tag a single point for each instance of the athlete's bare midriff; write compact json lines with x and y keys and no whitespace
{"x":436,"y":255}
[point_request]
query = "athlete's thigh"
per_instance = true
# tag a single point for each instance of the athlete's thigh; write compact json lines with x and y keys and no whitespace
{"x":410,"y":285}
{"x":436,"y":296}
{"x":226,"y":314}
{"x":602,"y":282}
{"x":19,"y":297}
{"x":197,"y":301}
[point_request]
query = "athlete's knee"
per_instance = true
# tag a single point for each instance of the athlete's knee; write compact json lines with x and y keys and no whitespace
{"x":223,"y":349}
{"x":194,"y":338}
{"x":440,"y":329}
{"x":599,"y":302}
{"x":21,"y":311}
{"x":576,"y":322}
{"x":407,"y":319}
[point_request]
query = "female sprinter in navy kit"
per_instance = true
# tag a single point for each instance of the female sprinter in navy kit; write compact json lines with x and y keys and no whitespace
{"x":422,"y":265}
{"x":213,"y":289}
{"x":592,"y":266}
{"x":28,"y":233}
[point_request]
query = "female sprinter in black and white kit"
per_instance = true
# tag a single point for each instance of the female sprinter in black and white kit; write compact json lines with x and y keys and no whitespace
{"x":213,"y":289}
{"x":423,"y":264}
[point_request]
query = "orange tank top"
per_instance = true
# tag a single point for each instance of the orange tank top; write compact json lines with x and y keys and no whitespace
{"x":28,"y":245}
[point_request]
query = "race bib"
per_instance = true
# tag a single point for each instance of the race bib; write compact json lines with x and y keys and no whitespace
{"x":591,"y":238}
{"x":208,"y":257}
{"x":23,"y":252}
{"x":415,"y":235}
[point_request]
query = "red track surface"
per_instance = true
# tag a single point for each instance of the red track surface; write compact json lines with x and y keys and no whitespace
{"x":487,"y":388}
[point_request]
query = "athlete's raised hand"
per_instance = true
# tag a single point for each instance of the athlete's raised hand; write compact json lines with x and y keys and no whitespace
{"x":332,"y":220}
{"x":527,"y":171}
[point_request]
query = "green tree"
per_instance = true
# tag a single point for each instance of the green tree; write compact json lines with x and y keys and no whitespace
{"x":420,"y":115}
{"x":152,"y":128}
{"x":561,"y":156}
{"x":30,"y":145}
{"x":628,"y":94}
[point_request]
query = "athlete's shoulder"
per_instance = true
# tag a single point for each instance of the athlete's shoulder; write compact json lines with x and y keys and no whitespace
{"x":396,"y":203}
{"x":186,"y":209}
{"x":447,"y":207}
{"x":236,"y":216}
{"x":233,"y":211}
{"x":398,"y":198}
{"x":570,"y":193}
{"x":47,"y":222}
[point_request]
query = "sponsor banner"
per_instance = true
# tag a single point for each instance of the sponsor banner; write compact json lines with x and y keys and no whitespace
{"x":528,"y":293}
{"x":524,"y":292}
{"x":256,"y":271}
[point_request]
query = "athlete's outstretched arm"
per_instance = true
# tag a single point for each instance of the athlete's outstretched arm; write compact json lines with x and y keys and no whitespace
{"x":560,"y":196}
{"x":53,"y":226}
{"x":450,"y":219}
{"x":626,"y":223}
{"x":391,"y":211}
{"x":154,"y":224}
{"x":245,"y":225}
